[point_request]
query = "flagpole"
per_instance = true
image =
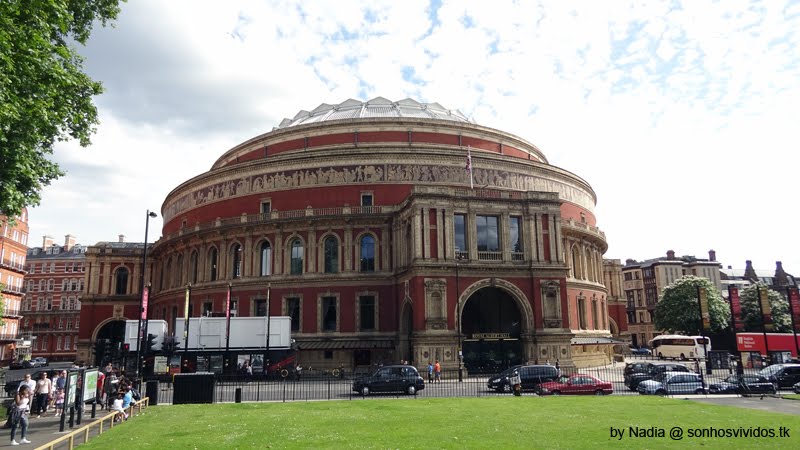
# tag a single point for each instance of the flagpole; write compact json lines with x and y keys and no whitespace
{"x":763,"y":321}
{"x":186,"y":317}
{"x":469,"y":167}
{"x":228,"y":321}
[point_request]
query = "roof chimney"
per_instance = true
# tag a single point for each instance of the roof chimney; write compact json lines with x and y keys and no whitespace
{"x":47,"y":242}
{"x":749,"y":272}
{"x":780,"y":276}
{"x":712,"y":255}
{"x":121,"y":238}
{"x":69,"y":242}
{"x":670,"y":254}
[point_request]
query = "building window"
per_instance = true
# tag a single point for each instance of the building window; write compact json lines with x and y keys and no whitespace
{"x":237,"y":261}
{"x":641,"y":317}
{"x":367,"y":254}
{"x":60,"y":323}
{"x":67,"y":342}
{"x":460,"y":233}
{"x":366,"y":199}
{"x":266,"y":207}
{"x":582,"y":313}
{"x":331,"y":255}
{"x":515,"y":225}
{"x":208,"y":308}
{"x":366,"y":309}
{"x":193,"y":267}
{"x":234,"y":308}
{"x":293,"y":311}
{"x":168,"y":274}
{"x":58,"y":343}
{"x":265,"y":259}
{"x":260,"y":308}
{"x":488,"y":237}
{"x":212,"y":264}
{"x":296,"y":257}
{"x":595,"y":322}
{"x":329,"y":313}
{"x":179,"y":273}
{"x":121,"y":278}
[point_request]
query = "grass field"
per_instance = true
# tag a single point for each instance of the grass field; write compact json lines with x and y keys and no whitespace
{"x":496,"y":423}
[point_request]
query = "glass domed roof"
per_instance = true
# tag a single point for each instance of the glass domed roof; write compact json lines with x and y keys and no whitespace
{"x":377,"y":107}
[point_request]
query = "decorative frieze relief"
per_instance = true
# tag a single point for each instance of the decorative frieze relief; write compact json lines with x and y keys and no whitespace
{"x":385,"y":173}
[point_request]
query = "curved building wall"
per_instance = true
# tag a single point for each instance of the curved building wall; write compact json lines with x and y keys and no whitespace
{"x":367,"y":232}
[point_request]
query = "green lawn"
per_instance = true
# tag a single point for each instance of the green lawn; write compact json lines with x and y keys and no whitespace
{"x":491,"y":423}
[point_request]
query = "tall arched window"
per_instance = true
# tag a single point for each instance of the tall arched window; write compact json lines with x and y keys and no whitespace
{"x":179,"y":274}
{"x":193,"y":267}
{"x":297,"y":257}
{"x":576,"y":263}
{"x":367,"y":254}
{"x":168,"y":274}
{"x":121,"y":278}
{"x":331,"y":255}
{"x":212,"y":264}
{"x":265,"y":257}
{"x":236,"y":270}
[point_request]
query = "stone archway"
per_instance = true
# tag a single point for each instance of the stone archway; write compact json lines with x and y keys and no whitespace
{"x":494,"y":320}
{"x":107,"y":338}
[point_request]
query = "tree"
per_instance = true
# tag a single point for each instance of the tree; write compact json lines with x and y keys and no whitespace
{"x":678,"y":310}
{"x":751,"y":311}
{"x":44,"y":95}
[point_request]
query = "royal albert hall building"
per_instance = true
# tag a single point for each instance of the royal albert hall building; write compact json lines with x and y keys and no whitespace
{"x":360,"y":222}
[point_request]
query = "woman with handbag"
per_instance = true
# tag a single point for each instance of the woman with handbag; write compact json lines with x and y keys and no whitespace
{"x":19,"y":415}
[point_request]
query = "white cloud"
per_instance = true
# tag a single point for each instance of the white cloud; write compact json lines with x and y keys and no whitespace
{"x":680,"y":114}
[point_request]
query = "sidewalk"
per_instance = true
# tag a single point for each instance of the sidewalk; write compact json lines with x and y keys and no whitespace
{"x":45,"y":429}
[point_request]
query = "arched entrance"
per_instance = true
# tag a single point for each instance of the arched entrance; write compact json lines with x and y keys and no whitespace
{"x":108,"y":343}
{"x":491,"y":328}
{"x":405,"y":347}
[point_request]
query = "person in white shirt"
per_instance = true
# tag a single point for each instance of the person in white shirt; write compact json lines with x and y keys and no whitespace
{"x":20,"y":415}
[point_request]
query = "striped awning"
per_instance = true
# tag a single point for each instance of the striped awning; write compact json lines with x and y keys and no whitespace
{"x":345,"y":344}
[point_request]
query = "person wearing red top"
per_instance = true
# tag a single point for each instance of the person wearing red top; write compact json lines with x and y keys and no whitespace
{"x":101,"y":378}
{"x":437,"y":372}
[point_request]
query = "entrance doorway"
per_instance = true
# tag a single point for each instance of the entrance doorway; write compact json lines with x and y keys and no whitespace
{"x":108,"y":344}
{"x":491,"y":324}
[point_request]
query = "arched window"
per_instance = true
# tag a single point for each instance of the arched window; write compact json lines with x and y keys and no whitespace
{"x":331,"y":255}
{"x":168,"y":274}
{"x":367,"y":254}
{"x":265,"y":257}
{"x":193,"y":267}
{"x":236,"y":270}
{"x":121,"y":278}
{"x":212,"y":264}
{"x":179,"y":275}
{"x":576,"y":263}
{"x":297,"y":257}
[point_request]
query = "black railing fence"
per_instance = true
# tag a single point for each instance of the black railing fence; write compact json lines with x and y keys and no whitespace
{"x":337,"y":384}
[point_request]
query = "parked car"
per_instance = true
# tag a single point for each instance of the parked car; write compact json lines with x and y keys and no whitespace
{"x":796,"y":388}
{"x":399,"y":378}
{"x":743,"y":384}
{"x":577,"y":384}
{"x":672,"y":383}
{"x":531,"y":377}
{"x":17,"y":364}
{"x":40,"y":361}
{"x":641,"y":351}
{"x":636,"y":367}
{"x":632,"y":380}
{"x":782,"y":375}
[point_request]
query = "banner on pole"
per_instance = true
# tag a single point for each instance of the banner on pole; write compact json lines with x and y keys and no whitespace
{"x":701,"y":292}
{"x":794,"y":305}
{"x":736,"y":307}
{"x":186,"y":314}
{"x":766,"y":309}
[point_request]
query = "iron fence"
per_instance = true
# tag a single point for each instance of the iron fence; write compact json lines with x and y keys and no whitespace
{"x":338,"y":385}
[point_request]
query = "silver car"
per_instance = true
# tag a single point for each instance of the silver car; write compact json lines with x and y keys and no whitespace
{"x":673,"y":383}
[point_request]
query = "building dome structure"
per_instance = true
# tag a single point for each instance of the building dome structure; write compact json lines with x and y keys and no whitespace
{"x":392,"y":231}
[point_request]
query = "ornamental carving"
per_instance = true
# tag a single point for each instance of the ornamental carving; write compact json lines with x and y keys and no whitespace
{"x":384,"y":173}
{"x":551,"y":303}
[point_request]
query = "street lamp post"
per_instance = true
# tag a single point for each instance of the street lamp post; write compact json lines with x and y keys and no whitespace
{"x":142,"y":312}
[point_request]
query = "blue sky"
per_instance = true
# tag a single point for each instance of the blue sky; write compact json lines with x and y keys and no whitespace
{"x":681,"y":115}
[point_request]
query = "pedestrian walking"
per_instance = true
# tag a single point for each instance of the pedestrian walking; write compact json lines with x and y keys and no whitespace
{"x":430,"y":372}
{"x":437,"y":372}
{"x":19,"y":415}
{"x":44,"y":386}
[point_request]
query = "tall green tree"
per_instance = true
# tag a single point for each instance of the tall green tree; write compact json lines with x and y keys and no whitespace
{"x":45,"y":97}
{"x":678,"y":310}
{"x":751,"y":310}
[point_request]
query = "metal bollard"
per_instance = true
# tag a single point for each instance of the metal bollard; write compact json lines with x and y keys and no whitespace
{"x":237,"y":397}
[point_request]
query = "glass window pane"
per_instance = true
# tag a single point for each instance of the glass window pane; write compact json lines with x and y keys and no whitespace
{"x":460,"y":232}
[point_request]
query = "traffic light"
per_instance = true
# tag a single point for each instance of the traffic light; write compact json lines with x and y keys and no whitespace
{"x":149,"y":343}
{"x":107,"y":348}
{"x":126,"y":348}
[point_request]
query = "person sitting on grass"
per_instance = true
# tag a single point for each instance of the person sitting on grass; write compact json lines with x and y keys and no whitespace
{"x":117,"y":406}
